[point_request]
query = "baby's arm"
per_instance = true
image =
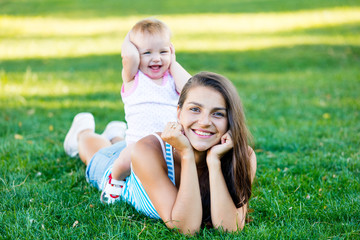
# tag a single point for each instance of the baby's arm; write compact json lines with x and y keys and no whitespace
{"x":130,"y":59}
{"x":180,"y":75}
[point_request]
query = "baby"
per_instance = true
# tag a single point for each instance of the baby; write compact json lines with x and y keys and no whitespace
{"x":152,"y":81}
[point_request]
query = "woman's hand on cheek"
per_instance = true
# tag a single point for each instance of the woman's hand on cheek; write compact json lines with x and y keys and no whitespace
{"x":173,"y":134}
{"x":219,"y":150}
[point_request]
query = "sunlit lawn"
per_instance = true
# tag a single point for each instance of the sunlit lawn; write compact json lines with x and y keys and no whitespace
{"x":32,"y":37}
{"x":297,"y":70}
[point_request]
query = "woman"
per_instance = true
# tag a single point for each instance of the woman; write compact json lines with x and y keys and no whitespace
{"x":197,"y":172}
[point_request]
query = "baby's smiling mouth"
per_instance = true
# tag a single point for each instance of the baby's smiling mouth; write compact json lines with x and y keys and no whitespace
{"x":155,"y":67}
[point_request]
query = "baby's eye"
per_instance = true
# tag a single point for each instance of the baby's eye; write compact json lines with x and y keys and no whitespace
{"x":164,"y":52}
{"x":145,"y":53}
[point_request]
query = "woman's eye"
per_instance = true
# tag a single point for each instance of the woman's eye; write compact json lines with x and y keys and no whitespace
{"x":219,"y":114}
{"x":194,"y":109}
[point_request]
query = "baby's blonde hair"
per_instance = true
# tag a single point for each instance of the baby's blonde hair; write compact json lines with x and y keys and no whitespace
{"x":151,"y":26}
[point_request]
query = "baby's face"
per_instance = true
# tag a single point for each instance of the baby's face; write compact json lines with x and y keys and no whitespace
{"x":155,"y":55}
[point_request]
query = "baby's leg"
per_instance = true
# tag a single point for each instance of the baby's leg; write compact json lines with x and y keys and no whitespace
{"x":121,"y":167}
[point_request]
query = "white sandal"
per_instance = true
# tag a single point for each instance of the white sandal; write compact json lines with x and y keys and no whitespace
{"x":112,"y":191}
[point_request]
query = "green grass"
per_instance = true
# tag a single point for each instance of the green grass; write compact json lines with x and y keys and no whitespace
{"x":84,"y":9}
{"x":299,"y":79}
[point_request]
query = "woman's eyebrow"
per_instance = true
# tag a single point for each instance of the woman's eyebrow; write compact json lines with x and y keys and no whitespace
{"x":195,"y":103}
{"x":200,"y":105}
{"x":219,"y":108}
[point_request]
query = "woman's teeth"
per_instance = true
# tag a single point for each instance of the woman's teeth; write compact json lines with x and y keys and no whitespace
{"x":202,"y":133}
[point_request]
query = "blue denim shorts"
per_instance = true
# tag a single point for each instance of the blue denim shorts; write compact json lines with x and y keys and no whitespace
{"x":101,"y":161}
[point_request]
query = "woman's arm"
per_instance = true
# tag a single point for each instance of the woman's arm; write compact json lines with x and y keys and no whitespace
{"x":224,"y":213}
{"x":180,"y":75}
{"x":178,"y":208}
{"x":130,"y":59}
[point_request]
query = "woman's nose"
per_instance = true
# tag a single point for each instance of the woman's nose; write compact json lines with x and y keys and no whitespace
{"x":204,"y":119}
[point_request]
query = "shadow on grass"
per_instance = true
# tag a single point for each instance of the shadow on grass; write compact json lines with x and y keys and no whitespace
{"x":271,"y":60}
{"x":35,"y":115}
{"x":343,"y":29}
{"x":115,"y":8}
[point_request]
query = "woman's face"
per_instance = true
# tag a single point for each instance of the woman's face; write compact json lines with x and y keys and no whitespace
{"x":203,"y":117}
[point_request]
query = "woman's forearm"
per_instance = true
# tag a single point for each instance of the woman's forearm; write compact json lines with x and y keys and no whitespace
{"x":187,"y":210}
{"x":224,"y":213}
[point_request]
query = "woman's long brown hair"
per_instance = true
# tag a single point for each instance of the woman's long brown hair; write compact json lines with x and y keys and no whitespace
{"x":235,"y":164}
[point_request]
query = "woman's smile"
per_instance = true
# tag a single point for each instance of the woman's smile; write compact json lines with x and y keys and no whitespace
{"x":203,"y":117}
{"x":202,"y":133}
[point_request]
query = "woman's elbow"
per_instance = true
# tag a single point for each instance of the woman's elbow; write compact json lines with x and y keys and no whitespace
{"x":191,"y":229}
{"x":240,"y":227}
{"x":236,"y":227}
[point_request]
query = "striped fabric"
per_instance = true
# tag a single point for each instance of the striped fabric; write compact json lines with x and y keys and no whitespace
{"x":134,"y":192}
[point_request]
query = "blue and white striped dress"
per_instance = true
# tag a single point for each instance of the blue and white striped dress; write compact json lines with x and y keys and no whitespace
{"x":133,"y":190}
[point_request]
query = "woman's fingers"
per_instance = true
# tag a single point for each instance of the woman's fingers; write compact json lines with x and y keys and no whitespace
{"x":172,"y":129}
{"x":225,"y":145}
{"x":173,"y":135}
{"x":226,"y":138}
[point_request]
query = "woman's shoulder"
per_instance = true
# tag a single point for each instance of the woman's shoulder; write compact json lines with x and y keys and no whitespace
{"x":151,"y":142}
{"x":148,"y":151}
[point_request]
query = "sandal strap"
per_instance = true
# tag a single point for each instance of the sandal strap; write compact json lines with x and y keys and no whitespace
{"x":117,"y":182}
{"x":113,"y":190}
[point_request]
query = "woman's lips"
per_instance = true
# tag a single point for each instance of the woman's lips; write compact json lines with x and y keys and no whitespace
{"x":202,"y":133}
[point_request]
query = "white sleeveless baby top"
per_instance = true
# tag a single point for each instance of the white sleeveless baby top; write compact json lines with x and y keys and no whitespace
{"x":148,"y":106}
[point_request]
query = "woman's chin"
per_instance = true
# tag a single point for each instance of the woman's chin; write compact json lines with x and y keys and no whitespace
{"x":201,"y":148}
